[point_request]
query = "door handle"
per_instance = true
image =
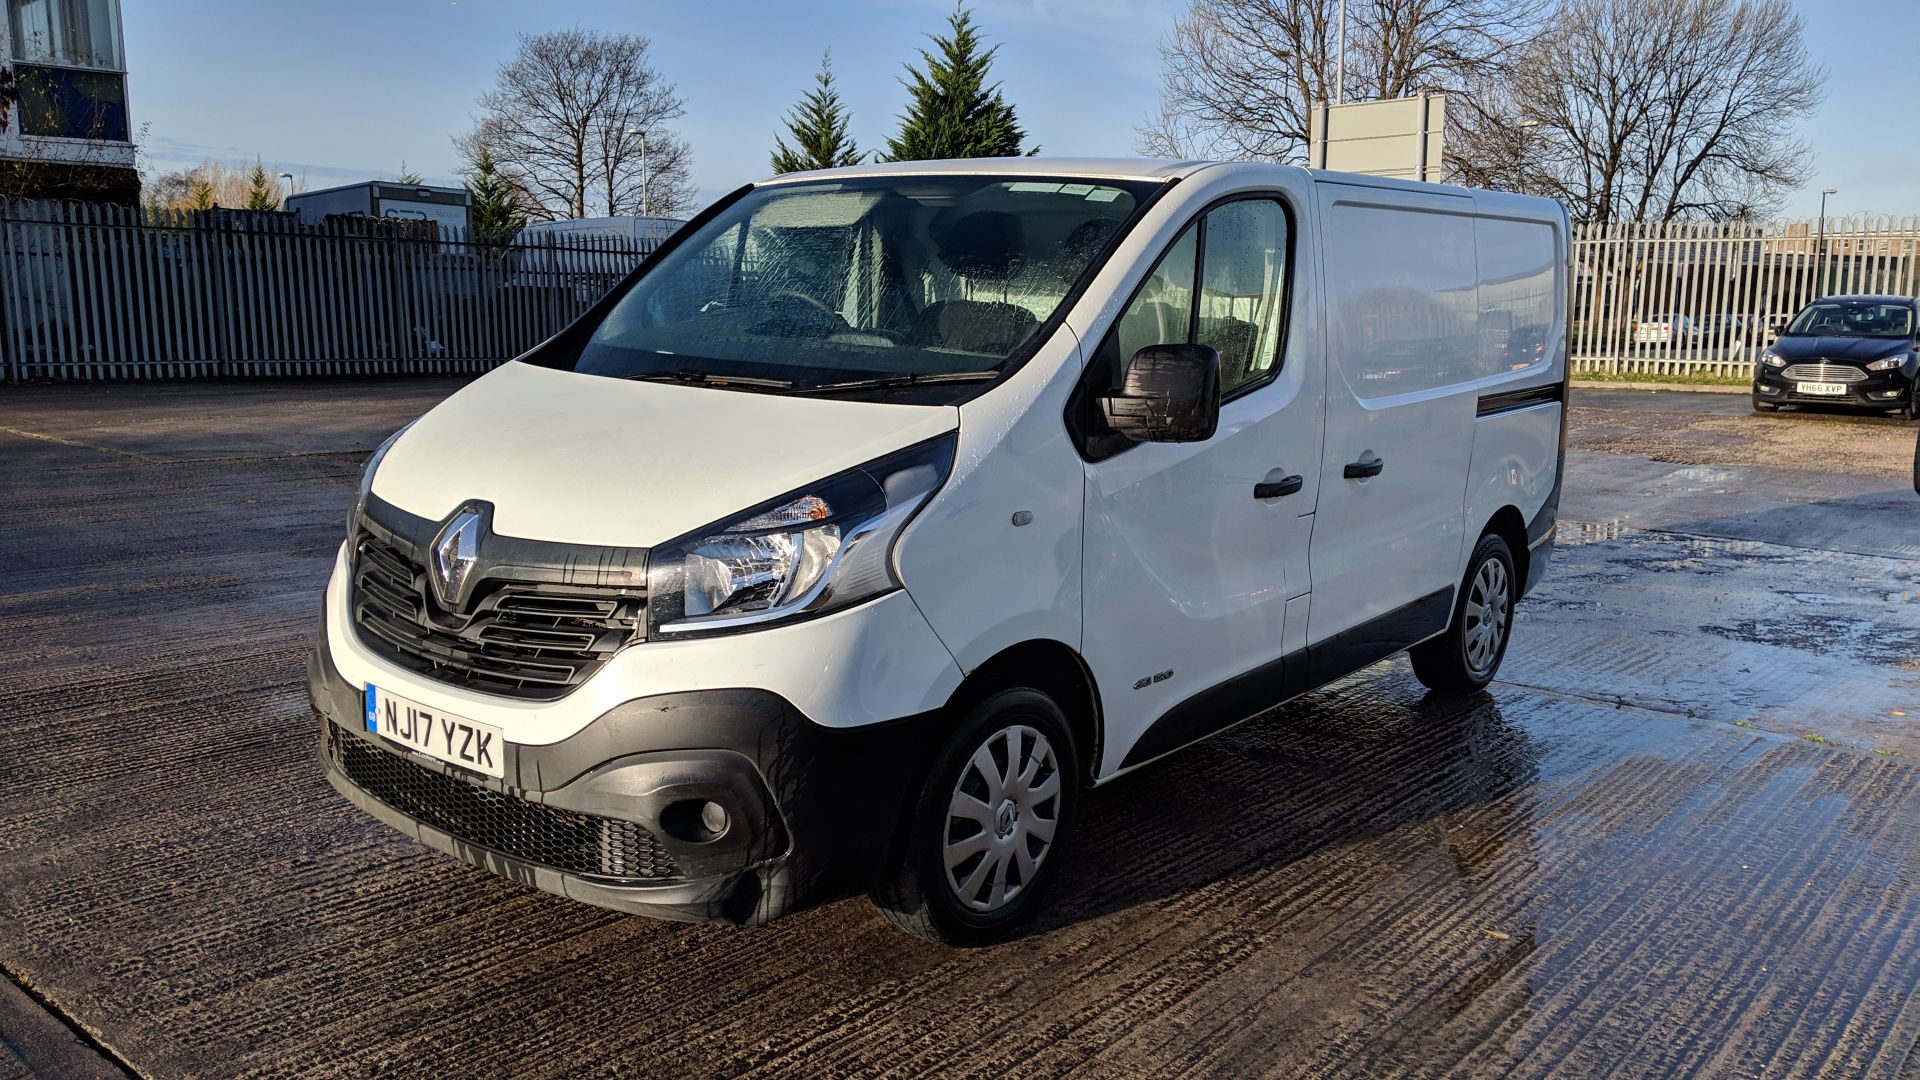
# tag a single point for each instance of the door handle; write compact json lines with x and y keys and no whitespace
{"x":1360,"y":470}
{"x":1273,"y":489}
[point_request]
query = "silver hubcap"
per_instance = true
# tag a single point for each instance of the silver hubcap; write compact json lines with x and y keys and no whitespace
{"x":1489,"y":606}
{"x":1001,"y":819}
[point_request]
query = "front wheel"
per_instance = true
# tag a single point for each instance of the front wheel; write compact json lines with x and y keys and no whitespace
{"x":1464,"y":658}
{"x":987,"y":826}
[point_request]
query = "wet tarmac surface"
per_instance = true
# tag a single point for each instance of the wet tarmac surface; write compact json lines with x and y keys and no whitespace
{"x":1701,"y":403}
{"x":1814,"y":449}
{"x":1681,"y":836}
{"x":1693,"y":403}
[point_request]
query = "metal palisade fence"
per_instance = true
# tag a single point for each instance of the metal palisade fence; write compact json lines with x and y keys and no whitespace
{"x":96,"y":293}
{"x":100,"y":292}
{"x":1684,"y":298}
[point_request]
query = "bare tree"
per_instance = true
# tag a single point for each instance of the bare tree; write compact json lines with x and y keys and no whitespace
{"x":1240,"y":78}
{"x":646,"y":170}
{"x":1649,"y":110}
{"x":567,"y":118}
{"x":211,"y":183}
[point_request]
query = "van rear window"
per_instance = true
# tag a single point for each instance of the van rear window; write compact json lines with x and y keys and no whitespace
{"x":1401,"y":290}
{"x":1423,"y":299}
{"x":1520,"y":291}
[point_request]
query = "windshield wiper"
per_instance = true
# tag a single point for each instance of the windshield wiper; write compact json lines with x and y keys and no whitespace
{"x":705,"y":378}
{"x":890,"y":382}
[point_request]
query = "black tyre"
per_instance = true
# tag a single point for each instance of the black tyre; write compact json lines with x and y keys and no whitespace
{"x":991,"y":815}
{"x":1464,"y":659}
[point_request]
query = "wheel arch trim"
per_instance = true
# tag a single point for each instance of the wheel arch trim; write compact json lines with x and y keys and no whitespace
{"x":1052,"y":666}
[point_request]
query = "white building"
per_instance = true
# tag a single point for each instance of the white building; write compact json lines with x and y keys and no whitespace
{"x":63,"y":90}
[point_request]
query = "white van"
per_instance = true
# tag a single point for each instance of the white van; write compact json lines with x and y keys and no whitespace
{"x":639,"y":232}
{"x":576,"y":251}
{"x":884,"y":510}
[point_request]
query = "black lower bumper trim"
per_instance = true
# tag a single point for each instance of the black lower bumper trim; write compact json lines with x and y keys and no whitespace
{"x":616,"y":849}
{"x":812,"y":812}
{"x":739,"y":898}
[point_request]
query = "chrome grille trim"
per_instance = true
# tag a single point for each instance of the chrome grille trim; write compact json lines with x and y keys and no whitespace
{"x":1824,"y":372}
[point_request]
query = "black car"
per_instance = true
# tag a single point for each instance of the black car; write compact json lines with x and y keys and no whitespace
{"x":1844,"y":350}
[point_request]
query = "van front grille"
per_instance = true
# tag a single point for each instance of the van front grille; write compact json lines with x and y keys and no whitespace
{"x":564,"y":840}
{"x":518,"y":639}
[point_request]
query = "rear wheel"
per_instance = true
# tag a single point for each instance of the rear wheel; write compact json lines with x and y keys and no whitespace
{"x":990,"y":817}
{"x":1463,"y":659}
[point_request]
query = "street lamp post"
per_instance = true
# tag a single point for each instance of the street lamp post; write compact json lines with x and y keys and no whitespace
{"x":1340,"y":59}
{"x":288,"y":177}
{"x":1820,"y":244}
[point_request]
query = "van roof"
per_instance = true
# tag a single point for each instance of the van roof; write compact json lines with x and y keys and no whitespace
{"x":1112,"y":168}
{"x":1103,"y":168}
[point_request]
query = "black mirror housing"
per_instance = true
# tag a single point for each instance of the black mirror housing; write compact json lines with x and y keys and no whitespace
{"x":1171,"y":394}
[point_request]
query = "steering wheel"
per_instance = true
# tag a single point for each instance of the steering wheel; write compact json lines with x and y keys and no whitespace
{"x":797,"y":314}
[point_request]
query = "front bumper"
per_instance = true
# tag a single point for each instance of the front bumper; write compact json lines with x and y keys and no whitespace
{"x":811,"y":811}
{"x":1879,"y":390}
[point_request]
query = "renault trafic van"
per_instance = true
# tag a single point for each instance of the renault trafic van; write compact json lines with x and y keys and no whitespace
{"x":884,"y":510}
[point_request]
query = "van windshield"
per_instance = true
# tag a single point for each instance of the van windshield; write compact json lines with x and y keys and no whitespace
{"x":1854,"y":318}
{"x":805,"y":287}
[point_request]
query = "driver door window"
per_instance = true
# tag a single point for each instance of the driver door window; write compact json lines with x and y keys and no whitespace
{"x":1162,"y":311}
{"x":1222,"y":283}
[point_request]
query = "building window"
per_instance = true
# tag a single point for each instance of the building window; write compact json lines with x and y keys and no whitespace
{"x":66,"y":33}
{"x":68,"y":103}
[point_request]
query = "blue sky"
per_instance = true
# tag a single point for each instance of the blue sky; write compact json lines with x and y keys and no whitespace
{"x":344,"y":91}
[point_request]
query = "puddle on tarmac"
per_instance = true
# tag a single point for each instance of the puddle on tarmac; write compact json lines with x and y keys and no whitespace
{"x":1866,"y":640}
{"x":1790,"y":639}
{"x":1695,"y":479}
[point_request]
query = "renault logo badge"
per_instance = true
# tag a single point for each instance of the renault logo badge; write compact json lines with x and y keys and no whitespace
{"x":455,"y":551}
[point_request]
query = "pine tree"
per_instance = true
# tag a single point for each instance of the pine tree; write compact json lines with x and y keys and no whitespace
{"x":200,"y":195}
{"x":407,"y":176}
{"x":953,"y":111}
{"x":819,"y":127}
{"x":260,"y":190}
{"x":496,"y":206}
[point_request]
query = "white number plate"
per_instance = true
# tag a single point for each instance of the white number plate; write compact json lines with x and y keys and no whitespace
{"x":1822,"y":389}
{"x":452,"y":739}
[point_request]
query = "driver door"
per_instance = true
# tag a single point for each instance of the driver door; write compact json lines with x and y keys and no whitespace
{"x":1187,"y":570}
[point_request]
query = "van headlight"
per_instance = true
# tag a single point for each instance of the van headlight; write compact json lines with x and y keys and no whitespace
{"x":366,"y":476}
{"x":809,"y":552}
{"x":1772,"y":359}
{"x":1889,"y":363}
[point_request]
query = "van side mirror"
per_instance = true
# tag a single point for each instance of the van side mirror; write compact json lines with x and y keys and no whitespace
{"x":1171,"y":394}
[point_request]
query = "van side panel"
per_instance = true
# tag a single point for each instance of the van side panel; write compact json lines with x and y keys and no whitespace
{"x":1521,"y":247}
{"x":1401,"y":288}
{"x":995,"y":559}
{"x":1514,"y":454}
